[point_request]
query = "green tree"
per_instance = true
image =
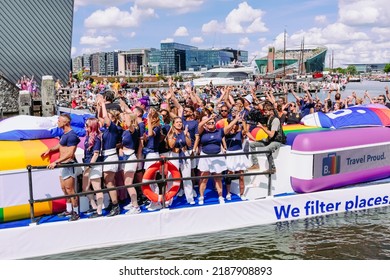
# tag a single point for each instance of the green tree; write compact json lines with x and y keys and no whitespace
{"x":351,"y":69}
{"x":387,"y":68}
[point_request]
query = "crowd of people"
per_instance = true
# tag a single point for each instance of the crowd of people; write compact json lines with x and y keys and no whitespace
{"x":181,"y":122}
{"x":30,"y":85}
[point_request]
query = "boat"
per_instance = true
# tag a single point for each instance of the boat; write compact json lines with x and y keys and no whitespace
{"x":346,"y":169}
{"x":227,"y":76}
{"x":354,"y":79}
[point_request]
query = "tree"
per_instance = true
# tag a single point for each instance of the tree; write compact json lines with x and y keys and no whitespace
{"x":351,"y":69}
{"x":387,"y":68}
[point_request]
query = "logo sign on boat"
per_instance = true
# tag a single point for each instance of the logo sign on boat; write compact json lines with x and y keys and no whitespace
{"x":351,"y":160}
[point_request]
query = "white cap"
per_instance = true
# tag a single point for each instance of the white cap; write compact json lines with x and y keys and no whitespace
{"x":249,"y":98}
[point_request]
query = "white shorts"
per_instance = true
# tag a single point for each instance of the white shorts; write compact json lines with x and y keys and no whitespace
{"x":94,"y":172}
{"x":237,"y":163}
{"x":147,"y":164}
{"x":110,"y":167}
{"x":129,"y":166}
{"x":212,"y":164}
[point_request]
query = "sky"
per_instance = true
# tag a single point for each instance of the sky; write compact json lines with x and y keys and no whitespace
{"x":354,"y":31}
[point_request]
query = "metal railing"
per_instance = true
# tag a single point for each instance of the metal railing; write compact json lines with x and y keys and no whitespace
{"x":163,"y":179}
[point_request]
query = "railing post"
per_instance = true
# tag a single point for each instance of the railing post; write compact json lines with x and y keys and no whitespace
{"x":31,"y":195}
{"x":164,"y":188}
{"x":269,"y":179}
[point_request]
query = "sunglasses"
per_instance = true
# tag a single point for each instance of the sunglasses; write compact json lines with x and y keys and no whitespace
{"x":210,"y":123}
{"x":224,"y":110}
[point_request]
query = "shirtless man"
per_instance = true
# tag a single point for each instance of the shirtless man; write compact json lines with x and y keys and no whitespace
{"x":67,"y":148}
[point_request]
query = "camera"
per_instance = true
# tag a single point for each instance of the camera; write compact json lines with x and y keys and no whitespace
{"x":254,"y":117}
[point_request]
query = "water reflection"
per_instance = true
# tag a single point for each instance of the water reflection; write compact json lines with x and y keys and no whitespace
{"x":355,"y":235}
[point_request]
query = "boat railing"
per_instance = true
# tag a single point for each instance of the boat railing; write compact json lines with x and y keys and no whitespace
{"x":163,"y":180}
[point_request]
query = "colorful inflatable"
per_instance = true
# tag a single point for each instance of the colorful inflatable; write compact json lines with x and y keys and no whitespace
{"x":355,"y":116}
{"x":16,"y":154}
{"x":339,"y":158}
{"x":33,"y":127}
{"x":294,"y":129}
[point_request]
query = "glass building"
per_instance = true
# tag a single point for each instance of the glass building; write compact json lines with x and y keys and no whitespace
{"x":175,"y":57}
{"x":36,"y":38}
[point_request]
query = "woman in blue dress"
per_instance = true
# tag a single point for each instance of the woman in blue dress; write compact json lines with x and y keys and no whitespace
{"x":212,"y":143}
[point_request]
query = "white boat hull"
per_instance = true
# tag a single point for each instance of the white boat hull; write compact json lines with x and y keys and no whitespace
{"x":61,"y":237}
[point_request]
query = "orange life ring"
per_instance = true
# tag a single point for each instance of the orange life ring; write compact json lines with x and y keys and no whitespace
{"x":150,"y":174}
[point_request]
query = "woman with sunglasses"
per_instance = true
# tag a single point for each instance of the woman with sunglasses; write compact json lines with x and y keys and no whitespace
{"x":293,"y":115}
{"x":212,"y":143}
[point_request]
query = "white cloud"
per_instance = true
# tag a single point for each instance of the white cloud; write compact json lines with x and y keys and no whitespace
{"x":243,"y":42}
{"x":100,"y":42}
{"x":167,"y":40}
{"x":320,"y":19}
{"x":244,"y":14}
{"x":197,"y":40}
{"x":181,"y":32}
{"x":212,"y":26}
{"x":113,"y":17}
{"x":176,"y":6}
{"x":243,"y":19}
{"x":364,"y":12}
{"x":91,"y":50}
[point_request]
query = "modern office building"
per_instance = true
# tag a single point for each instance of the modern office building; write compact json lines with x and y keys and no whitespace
{"x":133,"y":62}
{"x":368,"y":67}
{"x":112,"y":63}
{"x":77,"y":64}
{"x":200,"y":59}
{"x":36,"y":38}
{"x":175,"y":57}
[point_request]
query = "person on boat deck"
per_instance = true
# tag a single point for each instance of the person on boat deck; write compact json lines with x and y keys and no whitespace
{"x":273,"y":142}
{"x":152,"y":140}
{"x":93,"y":174}
{"x":110,"y":138}
{"x":306,"y":103}
{"x":187,"y":113}
{"x":293,"y":115}
{"x":235,"y":132}
{"x":212,"y":142}
{"x":179,"y":140}
{"x":163,"y":148}
{"x":138,"y":112}
{"x":130,"y":149}
{"x":67,"y":148}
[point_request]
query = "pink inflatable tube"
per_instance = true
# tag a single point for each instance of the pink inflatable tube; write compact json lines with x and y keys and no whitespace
{"x":343,"y":157}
